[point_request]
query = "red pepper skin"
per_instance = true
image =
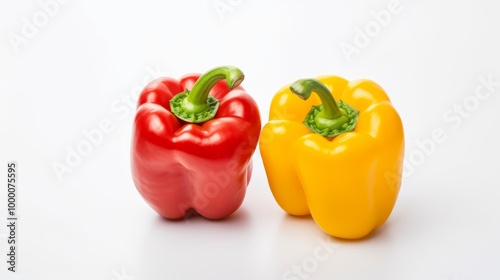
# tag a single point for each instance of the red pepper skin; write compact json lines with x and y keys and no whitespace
{"x":178,"y":166}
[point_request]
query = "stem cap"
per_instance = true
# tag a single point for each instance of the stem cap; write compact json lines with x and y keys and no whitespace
{"x":317,"y":123}
{"x":207,"y":112}
{"x":197,"y":106}
{"x":330,"y":118}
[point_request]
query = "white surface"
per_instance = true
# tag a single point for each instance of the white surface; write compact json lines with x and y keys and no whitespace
{"x":94,"y":225}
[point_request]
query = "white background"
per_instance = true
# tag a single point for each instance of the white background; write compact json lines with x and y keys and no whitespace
{"x":89,"y":56}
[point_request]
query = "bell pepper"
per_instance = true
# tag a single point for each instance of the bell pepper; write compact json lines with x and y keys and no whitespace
{"x":340,"y":162}
{"x":192,"y":144}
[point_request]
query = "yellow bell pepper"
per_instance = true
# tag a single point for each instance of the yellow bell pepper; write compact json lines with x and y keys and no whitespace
{"x":341,"y":162}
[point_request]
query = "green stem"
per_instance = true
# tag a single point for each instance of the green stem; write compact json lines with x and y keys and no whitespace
{"x":197,"y":106}
{"x":330,"y":118}
{"x":303,"y":88}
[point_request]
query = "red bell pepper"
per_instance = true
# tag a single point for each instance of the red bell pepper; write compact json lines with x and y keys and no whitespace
{"x":192,"y":143}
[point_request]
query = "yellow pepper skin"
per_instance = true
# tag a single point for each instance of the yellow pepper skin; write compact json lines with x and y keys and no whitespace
{"x":349,"y":183}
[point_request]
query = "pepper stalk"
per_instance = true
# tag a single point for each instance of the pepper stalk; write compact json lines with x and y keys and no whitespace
{"x":197,"y":106}
{"x":330,"y":118}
